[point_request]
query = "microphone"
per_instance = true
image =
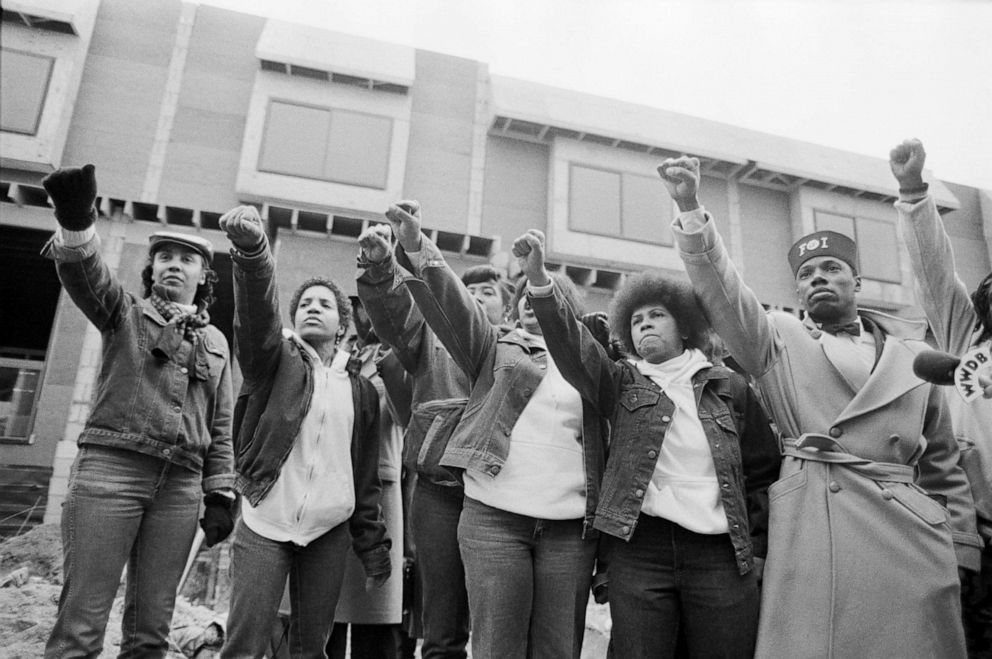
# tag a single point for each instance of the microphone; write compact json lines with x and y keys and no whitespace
{"x":936,"y":367}
{"x":968,"y":374}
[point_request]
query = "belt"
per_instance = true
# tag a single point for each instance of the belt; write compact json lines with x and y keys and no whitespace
{"x":816,"y":447}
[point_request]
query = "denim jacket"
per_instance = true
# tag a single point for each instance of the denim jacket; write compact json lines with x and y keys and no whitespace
{"x":144,"y":403}
{"x":440,"y":387}
{"x":504,"y":370}
{"x":275,"y":397}
{"x":744,"y":449}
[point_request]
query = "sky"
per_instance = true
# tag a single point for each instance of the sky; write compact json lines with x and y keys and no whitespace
{"x":858,"y":75}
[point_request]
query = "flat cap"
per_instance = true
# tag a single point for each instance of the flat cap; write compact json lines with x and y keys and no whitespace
{"x":202,"y":246}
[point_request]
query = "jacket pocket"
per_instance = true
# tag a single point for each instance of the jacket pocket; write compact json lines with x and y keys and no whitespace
{"x":790,"y":483}
{"x":637,"y":397}
{"x":918,"y":502}
{"x":434,"y":422}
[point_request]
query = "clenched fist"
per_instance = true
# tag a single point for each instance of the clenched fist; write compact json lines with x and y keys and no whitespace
{"x":375,"y":244}
{"x":681,"y":177}
{"x":244,"y":228}
{"x":906,"y":162}
{"x":404,"y":218}
{"x":73,"y":192}
{"x":529,"y":250}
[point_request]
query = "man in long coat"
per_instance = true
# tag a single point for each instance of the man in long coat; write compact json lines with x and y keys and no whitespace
{"x":871,"y":516}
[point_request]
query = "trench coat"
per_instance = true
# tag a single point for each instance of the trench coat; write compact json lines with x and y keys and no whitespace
{"x":872,"y":514}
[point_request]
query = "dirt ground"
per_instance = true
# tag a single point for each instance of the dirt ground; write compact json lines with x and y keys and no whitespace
{"x":33,"y":563}
{"x":27,"y":610}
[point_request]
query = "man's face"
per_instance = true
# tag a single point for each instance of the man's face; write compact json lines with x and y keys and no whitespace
{"x":178,"y":269}
{"x":489,"y":296}
{"x":827,"y":288}
{"x":316,"y":318}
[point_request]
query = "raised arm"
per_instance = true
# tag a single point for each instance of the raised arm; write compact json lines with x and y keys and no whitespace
{"x":942,"y":294}
{"x":580,"y":358}
{"x":76,"y":247}
{"x":732,"y":308}
{"x":257,"y":328}
{"x":396,"y":319}
{"x":446,"y":304}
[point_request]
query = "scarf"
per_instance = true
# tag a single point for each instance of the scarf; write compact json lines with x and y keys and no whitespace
{"x":676,"y":371}
{"x":181,"y":323}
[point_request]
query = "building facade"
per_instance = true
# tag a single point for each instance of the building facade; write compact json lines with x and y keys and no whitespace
{"x":187,"y":110}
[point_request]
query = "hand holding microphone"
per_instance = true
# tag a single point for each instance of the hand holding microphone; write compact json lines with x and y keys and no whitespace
{"x":970,"y":374}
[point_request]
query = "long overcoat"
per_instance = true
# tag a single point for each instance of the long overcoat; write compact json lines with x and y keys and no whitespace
{"x":871,"y":504}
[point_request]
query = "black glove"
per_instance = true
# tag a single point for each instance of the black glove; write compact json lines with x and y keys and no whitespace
{"x":73,"y":191}
{"x":218,"y":518}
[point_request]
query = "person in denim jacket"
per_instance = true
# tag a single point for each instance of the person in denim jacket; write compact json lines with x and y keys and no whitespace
{"x":440,"y":391}
{"x":159,"y":431}
{"x":684,"y":497}
{"x":531,"y":454}
{"x":307,"y":455}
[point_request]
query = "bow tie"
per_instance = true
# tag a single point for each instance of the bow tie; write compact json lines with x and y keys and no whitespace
{"x":853,"y":328}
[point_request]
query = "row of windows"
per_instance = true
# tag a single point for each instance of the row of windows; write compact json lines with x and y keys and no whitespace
{"x":354,"y":148}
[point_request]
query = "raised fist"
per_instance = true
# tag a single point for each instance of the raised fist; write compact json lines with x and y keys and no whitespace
{"x":73,"y":191}
{"x":906,"y":162}
{"x":529,"y":250}
{"x":404,"y":218}
{"x":681,"y":177}
{"x":244,"y":228}
{"x":375,"y":243}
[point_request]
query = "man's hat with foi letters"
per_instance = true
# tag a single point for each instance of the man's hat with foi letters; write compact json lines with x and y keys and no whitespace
{"x":823,"y":243}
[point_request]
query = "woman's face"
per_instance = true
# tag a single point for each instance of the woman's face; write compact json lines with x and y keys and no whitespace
{"x":655,"y":333}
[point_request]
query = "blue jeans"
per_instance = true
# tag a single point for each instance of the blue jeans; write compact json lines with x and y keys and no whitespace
{"x":668,"y":579}
{"x":259,"y":569}
{"x":123,"y":508}
{"x":434,"y":513}
{"x":528,"y":583}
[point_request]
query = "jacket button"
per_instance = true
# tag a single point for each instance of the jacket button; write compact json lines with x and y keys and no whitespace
{"x":652,"y":453}
{"x":506,"y":431}
{"x":836,"y":432}
{"x":834,"y":486}
{"x":887,"y":495}
{"x":625,"y":530}
{"x":167,"y":451}
{"x":177,"y":408}
{"x":494,"y":470}
{"x":716,"y":444}
{"x":726,"y":485}
{"x":736,"y":526}
{"x":666,"y":418}
{"x":638,"y":493}
{"x":184,"y":370}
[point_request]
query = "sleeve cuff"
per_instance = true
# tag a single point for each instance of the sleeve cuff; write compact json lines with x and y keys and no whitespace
{"x":692,"y":221}
{"x":75,"y":238}
{"x":540,"y":291}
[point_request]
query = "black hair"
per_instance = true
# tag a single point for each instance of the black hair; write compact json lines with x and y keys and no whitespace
{"x":344,"y":304}
{"x":676,"y":295}
{"x":481,"y":274}
{"x":980,"y":300}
